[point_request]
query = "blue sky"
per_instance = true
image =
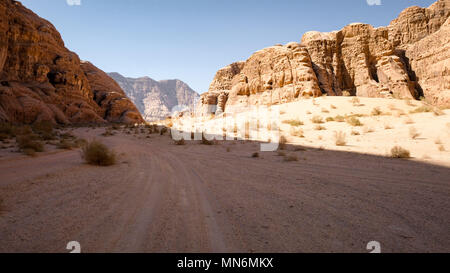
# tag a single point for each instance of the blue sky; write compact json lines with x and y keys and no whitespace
{"x":191,"y":39}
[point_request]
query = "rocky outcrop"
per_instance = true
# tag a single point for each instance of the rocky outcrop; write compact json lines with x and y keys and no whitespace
{"x":156,"y":99}
{"x":359,"y":60}
{"x":42,"y":80}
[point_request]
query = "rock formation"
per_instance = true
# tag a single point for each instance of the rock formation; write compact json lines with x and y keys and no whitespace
{"x":156,"y":99}
{"x":42,"y":80}
{"x":407,"y":59}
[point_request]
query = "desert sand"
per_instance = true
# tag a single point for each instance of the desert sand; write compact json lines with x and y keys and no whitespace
{"x":162,"y":197}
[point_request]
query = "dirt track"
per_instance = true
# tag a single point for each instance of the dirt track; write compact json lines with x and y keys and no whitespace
{"x":197,"y":198}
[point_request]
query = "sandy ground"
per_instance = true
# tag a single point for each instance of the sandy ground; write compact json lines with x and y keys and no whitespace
{"x":161,"y":197}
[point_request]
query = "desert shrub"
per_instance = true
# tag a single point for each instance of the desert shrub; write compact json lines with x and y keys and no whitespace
{"x":339,"y":118}
{"x":293,"y":122}
{"x":45,"y":129}
{"x":290,"y":158}
{"x":355,"y":101}
{"x":353,"y":121}
{"x":340,"y":138}
{"x":108,"y":132}
{"x":317,"y":119}
{"x":281,"y":153}
{"x":297,"y":132}
{"x":255,"y":155}
{"x":376,"y":111}
{"x":96,"y":153}
{"x":329,"y":119}
{"x":28,"y":143}
{"x":80,"y":142}
{"x":282,"y":142}
{"x":399,"y":152}
{"x":66,"y":144}
{"x":319,"y":128}
{"x":441,"y":148}
{"x":7,"y":130}
{"x":413,"y":133}
{"x":163,"y":131}
{"x":355,"y":133}
{"x":422,"y":109}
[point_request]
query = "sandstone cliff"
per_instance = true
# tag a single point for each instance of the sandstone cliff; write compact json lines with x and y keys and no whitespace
{"x":155,"y":99}
{"x":42,"y":80}
{"x":407,"y":59}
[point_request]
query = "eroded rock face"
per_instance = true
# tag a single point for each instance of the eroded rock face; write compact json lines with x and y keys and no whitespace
{"x":273,"y":75}
{"x":359,"y":59}
{"x":156,"y":99}
{"x":42,"y":80}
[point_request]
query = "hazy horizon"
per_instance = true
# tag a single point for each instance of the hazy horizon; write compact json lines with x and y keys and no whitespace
{"x":191,"y":40}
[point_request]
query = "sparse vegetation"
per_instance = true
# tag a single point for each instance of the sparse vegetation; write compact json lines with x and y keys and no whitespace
{"x":293,"y":122}
{"x":66,"y":144}
{"x":354,"y":121}
{"x":355,"y":133}
{"x":319,"y":128}
{"x":340,"y":138}
{"x":282,"y":142}
{"x":281,"y":153}
{"x":97,"y":153}
{"x":297,"y":132}
{"x":399,"y":152}
{"x":441,"y":148}
{"x":339,"y":118}
{"x":317,"y":119}
{"x":355,"y":101}
{"x":29,"y":144}
{"x":329,"y":119}
{"x":376,"y":111}
{"x":255,"y":155}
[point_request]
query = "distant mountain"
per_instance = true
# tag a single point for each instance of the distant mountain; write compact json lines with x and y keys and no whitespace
{"x":155,"y":99}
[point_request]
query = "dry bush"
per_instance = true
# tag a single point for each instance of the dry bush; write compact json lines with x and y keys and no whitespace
{"x":66,"y":144}
{"x":281,"y":153}
{"x":96,"y":153}
{"x":399,"y":152}
{"x":7,"y":131}
{"x":290,"y":158}
{"x":329,"y":119}
{"x":163,"y":131}
{"x":376,"y":111}
{"x":355,"y":133}
{"x":319,"y":128}
{"x":44,"y":129}
{"x":317,"y":119}
{"x":282,"y":142}
{"x":353,"y":121}
{"x":297,"y":132}
{"x":422,"y":109}
{"x":355,"y":101}
{"x":413,"y":133}
{"x":441,"y":148}
{"x":108,"y":132}
{"x":255,"y":155}
{"x":339,"y":118}
{"x":293,"y":122}
{"x":340,"y":138}
{"x":29,"y":144}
